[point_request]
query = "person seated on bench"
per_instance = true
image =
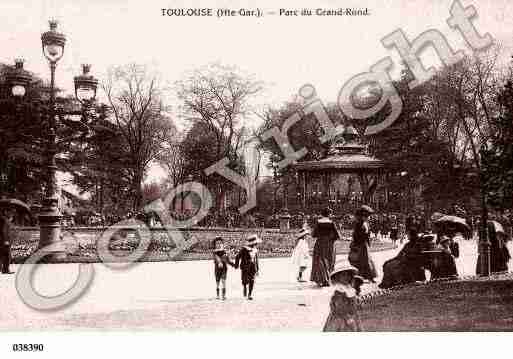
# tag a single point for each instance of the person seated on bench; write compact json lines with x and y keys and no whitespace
{"x":443,"y":264}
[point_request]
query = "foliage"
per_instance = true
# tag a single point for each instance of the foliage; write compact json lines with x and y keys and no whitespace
{"x":215,"y":100}
{"x":99,"y":166}
{"x":498,"y":159}
{"x":23,"y":136}
{"x":136,"y":101}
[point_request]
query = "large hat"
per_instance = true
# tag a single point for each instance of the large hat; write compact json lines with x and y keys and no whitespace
{"x":343,"y":267}
{"x":253,"y":239}
{"x":428,"y":237}
{"x":303,"y":232}
{"x":364,"y":210}
{"x":444,"y":239}
{"x":358,"y":279}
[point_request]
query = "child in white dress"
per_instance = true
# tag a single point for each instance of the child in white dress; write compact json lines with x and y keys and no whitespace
{"x":301,"y":254}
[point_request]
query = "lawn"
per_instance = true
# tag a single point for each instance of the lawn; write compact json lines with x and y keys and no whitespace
{"x":466,"y":305}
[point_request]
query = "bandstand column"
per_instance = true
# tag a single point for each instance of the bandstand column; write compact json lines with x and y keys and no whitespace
{"x":325,"y":188}
{"x":303,"y":188}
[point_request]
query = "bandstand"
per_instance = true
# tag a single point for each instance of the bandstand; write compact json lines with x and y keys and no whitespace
{"x":346,"y":178}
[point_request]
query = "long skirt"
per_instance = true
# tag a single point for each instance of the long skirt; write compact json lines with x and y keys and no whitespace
{"x":359,"y":257}
{"x":499,"y":258}
{"x":401,"y":270}
{"x":323,"y":262}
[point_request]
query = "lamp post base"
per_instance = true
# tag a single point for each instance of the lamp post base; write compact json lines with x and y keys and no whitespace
{"x":484,"y":259}
{"x":50,"y":237}
{"x":285,"y":220}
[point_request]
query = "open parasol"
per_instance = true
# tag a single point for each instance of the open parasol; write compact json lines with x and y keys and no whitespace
{"x":457,"y":223}
{"x":496,"y":226}
{"x":14,"y":204}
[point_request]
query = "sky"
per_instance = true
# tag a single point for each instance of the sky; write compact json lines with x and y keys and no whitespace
{"x":284,"y":52}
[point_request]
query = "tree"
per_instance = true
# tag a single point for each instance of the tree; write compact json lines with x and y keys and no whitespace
{"x":174,"y":162}
{"x":305,"y":133}
{"x":135,"y":97}
{"x":23,"y":136}
{"x":217,"y":99}
{"x":462,"y":105}
{"x":498,"y":160}
{"x":99,"y":167}
{"x":442,"y":127}
{"x":415,"y":155}
{"x":197,"y":152}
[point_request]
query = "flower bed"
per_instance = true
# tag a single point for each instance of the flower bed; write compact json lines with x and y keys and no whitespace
{"x":162,"y":246}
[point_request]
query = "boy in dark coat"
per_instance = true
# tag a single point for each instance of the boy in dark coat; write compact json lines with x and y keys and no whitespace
{"x":221,"y":261}
{"x":247,"y":261}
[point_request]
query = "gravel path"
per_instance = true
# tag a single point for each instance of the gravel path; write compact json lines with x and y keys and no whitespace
{"x":179,"y":296}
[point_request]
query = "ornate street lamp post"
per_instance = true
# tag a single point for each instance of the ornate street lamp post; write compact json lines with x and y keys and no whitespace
{"x":484,"y":242}
{"x":53,"y":44}
{"x":49,"y":219}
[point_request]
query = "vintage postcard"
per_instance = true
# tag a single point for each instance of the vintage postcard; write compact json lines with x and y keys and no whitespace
{"x":255,"y":166}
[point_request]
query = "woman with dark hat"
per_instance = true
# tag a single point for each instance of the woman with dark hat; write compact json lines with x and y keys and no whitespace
{"x":343,"y":307}
{"x":324,"y":254}
{"x":359,"y":249}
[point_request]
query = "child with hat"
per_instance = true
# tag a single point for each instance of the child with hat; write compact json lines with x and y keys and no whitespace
{"x":301,"y":253}
{"x":221,"y":261}
{"x":247,"y":261}
{"x":343,"y":306}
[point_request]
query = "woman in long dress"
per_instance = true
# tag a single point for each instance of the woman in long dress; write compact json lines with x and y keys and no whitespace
{"x":359,"y":249}
{"x":409,"y":264}
{"x":324,"y":254}
{"x":499,"y":254}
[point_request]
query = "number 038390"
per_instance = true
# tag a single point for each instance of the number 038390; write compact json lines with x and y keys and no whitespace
{"x":27,"y":347}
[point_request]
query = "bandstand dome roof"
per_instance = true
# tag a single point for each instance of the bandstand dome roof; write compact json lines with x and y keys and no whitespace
{"x":345,"y":162}
{"x":345,"y":155}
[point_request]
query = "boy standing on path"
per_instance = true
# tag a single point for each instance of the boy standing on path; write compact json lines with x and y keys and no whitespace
{"x":247,"y":261}
{"x":221,"y":261}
